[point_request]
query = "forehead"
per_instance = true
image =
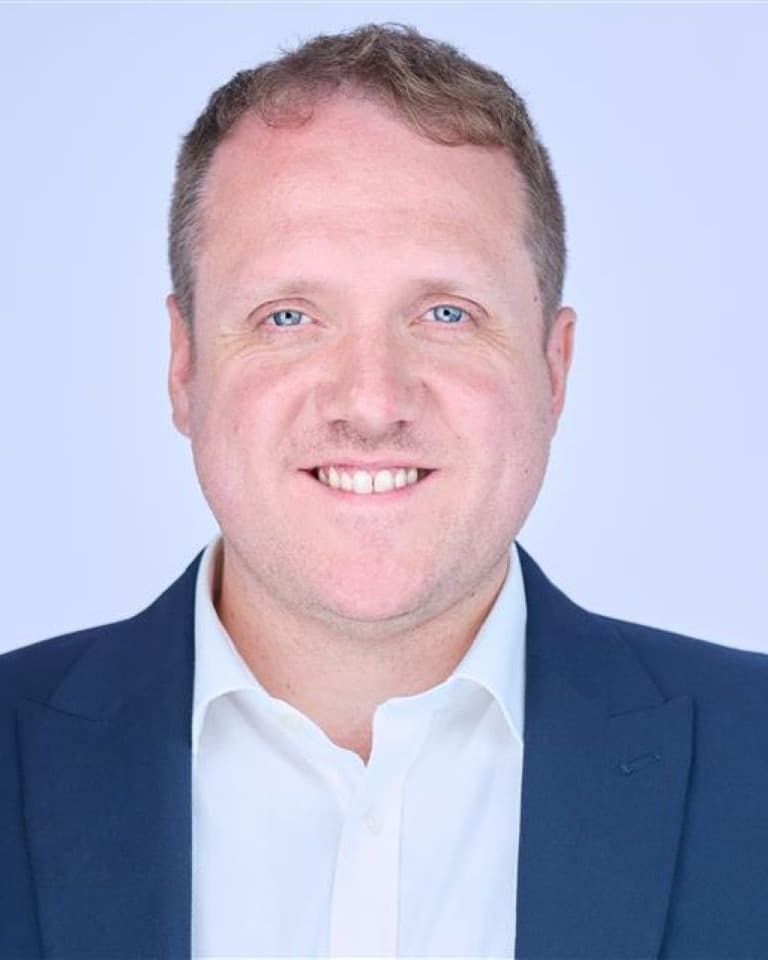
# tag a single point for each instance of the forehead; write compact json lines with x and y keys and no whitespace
{"x":357,"y":177}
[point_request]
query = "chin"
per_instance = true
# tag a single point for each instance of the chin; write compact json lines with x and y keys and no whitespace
{"x":370,"y":600}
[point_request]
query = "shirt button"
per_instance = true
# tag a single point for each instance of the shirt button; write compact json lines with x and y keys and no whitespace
{"x":374,"y":824}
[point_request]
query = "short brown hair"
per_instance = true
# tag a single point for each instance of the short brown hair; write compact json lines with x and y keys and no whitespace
{"x":434,"y":88}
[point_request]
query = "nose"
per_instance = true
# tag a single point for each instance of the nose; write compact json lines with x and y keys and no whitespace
{"x":371,"y":383}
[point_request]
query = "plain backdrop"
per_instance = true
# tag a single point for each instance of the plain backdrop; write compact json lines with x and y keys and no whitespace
{"x":654,"y":505}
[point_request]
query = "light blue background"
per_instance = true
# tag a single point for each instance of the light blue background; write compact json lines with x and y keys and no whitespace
{"x":654,"y":507}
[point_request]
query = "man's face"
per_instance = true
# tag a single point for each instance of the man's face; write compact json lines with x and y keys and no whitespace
{"x":364,"y":301}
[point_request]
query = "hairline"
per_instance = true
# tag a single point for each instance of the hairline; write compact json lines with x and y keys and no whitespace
{"x":194,"y":231}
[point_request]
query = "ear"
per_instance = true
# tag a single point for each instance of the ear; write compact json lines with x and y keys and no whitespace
{"x":181,"y":366}
{"x":559,"y":354}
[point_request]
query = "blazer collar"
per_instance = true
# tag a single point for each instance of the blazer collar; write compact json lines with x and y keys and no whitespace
{"x":605,"y":777}
{"x":107,"y":790}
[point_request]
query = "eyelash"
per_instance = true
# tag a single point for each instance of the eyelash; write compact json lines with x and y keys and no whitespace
{"x":450,"y":306}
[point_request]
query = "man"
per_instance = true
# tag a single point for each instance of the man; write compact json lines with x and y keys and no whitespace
{"x":363,"y":722}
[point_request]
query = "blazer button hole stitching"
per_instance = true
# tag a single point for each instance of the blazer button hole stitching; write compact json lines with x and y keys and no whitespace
{"x":638,"y":763}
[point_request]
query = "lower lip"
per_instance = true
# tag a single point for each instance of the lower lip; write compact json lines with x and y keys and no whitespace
{"x":399,"y":494}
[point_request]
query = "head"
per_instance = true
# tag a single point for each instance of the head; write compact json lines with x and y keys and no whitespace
{"x":367,"y":253}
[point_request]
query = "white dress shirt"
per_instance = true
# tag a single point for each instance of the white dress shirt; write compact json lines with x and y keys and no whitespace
{"x":300,"y":849}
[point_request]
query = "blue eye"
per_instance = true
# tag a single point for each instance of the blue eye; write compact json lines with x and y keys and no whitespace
{"x":448,"y":314}
{"x":286,"y":318}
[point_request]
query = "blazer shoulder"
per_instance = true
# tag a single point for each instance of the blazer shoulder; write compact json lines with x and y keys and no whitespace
{"x":680,"y":664}
{"x":35,"y":670}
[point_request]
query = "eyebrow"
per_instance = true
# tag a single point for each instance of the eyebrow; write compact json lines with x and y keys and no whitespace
{"x":302,"y":285}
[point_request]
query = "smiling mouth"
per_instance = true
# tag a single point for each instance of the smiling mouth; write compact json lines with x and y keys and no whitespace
{"x":364,"y":482}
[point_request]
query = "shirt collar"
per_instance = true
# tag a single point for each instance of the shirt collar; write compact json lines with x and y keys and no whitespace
{"x":495,"y":661}
{"x":219,"y":666}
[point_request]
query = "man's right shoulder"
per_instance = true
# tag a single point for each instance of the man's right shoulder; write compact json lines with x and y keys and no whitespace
{"x":34,"y":671}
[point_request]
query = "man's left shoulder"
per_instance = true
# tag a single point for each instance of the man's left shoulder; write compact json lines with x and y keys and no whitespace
{"x":728,"y":692}
{"x":713,"y":673}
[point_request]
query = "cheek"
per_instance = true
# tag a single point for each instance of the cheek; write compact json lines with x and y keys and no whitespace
{"x":240,"y":410}
{"x":233,"y":431}
{"x":502,"y":416}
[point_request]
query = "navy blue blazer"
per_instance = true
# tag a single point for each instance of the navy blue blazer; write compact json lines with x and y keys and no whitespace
{"x":644,"y":828}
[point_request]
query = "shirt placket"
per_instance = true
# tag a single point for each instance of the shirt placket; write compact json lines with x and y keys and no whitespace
{"x":364,"y":903}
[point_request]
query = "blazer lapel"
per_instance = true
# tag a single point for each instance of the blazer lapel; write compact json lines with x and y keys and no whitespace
{"x":106,"y":772}
{"x":605,"y":776}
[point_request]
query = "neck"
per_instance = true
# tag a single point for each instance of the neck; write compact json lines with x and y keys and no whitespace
{"x":338,"y":674}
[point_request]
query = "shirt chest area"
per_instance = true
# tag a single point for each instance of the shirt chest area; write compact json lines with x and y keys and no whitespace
{"x":301,"y":848}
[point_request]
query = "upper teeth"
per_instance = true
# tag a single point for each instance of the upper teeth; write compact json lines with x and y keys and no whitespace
{"x":365,"y":481}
